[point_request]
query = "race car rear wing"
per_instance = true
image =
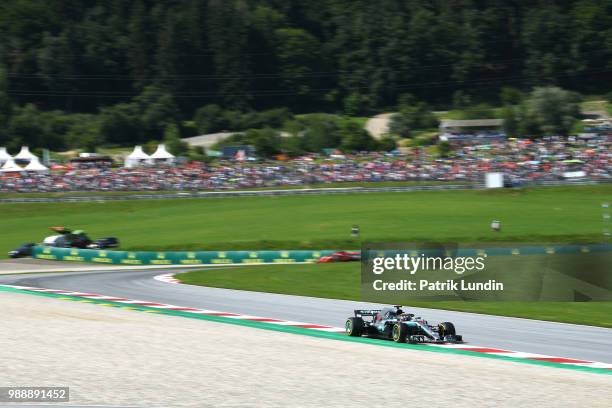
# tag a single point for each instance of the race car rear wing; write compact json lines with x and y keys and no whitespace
{"x":60,"y":230}
{"x":367,"y":312}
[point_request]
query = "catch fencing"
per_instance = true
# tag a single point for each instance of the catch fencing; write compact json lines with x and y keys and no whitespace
{"x":223,"y":194}
{"x":284,"y":192}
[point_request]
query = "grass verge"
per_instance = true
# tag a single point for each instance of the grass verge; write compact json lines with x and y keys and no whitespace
{"x":555,"y":214}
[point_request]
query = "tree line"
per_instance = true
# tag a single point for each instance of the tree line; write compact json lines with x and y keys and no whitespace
{"x":117,"y":72}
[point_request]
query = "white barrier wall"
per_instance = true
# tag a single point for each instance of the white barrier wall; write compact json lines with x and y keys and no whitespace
{"x":494,"y":180}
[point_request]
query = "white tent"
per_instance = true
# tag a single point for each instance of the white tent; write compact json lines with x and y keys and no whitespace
{"x":24,"y":154}
{"x":161,"y":154}
{"x":137,"y":157}
{"x":35,"y":165}
{"x":10,"y":166}
{"x":4,"y":156}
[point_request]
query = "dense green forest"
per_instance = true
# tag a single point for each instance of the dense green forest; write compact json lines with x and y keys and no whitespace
{"x":118,"y":72}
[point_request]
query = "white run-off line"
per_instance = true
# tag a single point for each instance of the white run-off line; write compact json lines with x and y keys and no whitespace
{"x":167,"y":278}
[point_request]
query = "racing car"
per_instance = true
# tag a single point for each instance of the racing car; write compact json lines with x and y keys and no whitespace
{"x":22,"y":251}
{"x":66,"y":238}
{"x":104,"y":243}
{"x":340,"y":256}
{"x":394,"y":324}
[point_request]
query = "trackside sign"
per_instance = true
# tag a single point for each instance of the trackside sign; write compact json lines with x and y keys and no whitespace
{"x":177,"y":257}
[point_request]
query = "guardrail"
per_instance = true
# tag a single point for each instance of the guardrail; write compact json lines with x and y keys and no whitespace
{"x":176,"y":257}
{"x":300,"y":191}
{"x":267,"y":256}
{"x":221,"y":194}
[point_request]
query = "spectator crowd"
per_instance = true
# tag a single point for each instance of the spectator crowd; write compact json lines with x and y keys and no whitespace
{"x":521,"y":160}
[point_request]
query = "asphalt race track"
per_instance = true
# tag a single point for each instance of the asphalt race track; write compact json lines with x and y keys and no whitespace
{"x":533,"y":336}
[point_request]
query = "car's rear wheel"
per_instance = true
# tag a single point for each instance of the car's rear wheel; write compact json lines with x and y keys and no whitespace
{"x":354,"y":326}
{"x":400,"y":332}
{"x":446,"y":329}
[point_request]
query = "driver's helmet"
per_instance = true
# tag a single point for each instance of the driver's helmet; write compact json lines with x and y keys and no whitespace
{"x":388,"y":313}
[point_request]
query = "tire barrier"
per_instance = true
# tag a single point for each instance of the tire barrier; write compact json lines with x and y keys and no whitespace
{"x":176,"y":257}
{"x":267,"y":256}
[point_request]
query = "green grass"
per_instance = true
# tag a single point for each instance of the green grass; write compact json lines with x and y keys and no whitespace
{"x":111,"y":151}
{"x":463,"y":114}
{"x":342,"y":119}
{"x":359,"y":120}
{"x":342,"y":281}
{"x":594,"y":104}
{"x":425,"y":137}
{"x":561,"y":214}
{"x":334,"y":281}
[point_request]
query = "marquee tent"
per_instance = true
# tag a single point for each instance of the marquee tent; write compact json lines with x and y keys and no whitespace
{"x":35,"y":165}
{"x":10,"y":167}
{"x":4,"y":156}
{"x":25,"y":155}
{"x":137,"y":157}
{"x":162,"y":155}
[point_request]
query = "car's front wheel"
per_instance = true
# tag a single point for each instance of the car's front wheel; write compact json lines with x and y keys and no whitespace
{"x":446,"y":329}
{"x":354,"y":326}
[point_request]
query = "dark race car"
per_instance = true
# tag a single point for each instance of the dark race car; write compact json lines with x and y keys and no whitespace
{"x":68,"y":238}
{"x":22,"y":251}
{"x":341,"y":256}
{"x":393,"y":323}
{"x":104,"y":243}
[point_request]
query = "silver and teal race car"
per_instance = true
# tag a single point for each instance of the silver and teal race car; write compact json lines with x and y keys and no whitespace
{"x":393,"y":323}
